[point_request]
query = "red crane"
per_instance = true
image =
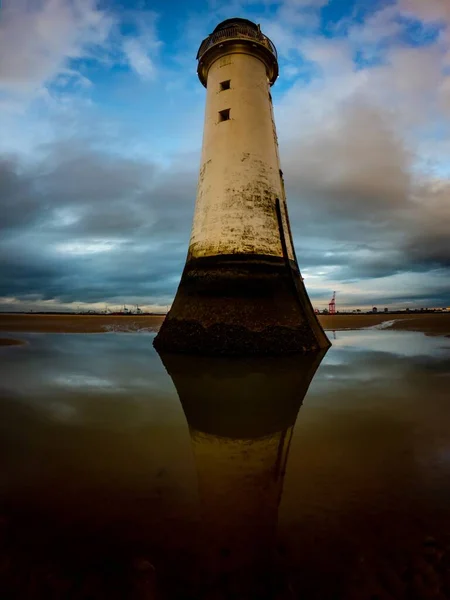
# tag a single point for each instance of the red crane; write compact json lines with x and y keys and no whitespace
{"x":332,"y":305}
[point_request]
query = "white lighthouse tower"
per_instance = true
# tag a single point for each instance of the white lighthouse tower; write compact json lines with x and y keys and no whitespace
{"x":241,"y":291}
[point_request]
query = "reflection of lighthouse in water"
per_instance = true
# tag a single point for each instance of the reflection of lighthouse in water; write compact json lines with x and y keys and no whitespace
{"x":241,"y":416}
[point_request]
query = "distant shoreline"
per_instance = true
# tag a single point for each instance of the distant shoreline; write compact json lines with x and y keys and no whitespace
{"x":429,"y":323}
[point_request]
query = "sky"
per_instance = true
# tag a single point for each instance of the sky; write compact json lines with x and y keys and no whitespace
{"x":101,"y":117}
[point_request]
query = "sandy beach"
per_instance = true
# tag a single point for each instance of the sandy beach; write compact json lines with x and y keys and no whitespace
{"x":431,"y":324}
{"x":67,"y":323}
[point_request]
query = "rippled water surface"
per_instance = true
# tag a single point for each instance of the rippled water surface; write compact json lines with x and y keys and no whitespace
{"x":128,"y":475}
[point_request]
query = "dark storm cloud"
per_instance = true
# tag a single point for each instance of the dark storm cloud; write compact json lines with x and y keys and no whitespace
{"x":432,"y":295}
{"x":352,"y":189}
{"x":120,"y":273}
{"x":81,"y":223}
{"x":87,"y":225}
{"x":87,"y":192}
{"x":19,"y":206}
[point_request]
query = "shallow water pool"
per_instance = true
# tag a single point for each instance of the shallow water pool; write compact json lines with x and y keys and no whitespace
{"x":125,"y":474}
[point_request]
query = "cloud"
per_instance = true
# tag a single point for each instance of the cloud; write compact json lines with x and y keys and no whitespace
{"x":87,"y":225}
{"x":363,"y":129}
{"x":49,"y":44}
{"x":353,"y":146}
{"x":142,"y":49}
{"x":352,"y":181}
{"x":138,"y":59}
{"x":83,"y":224}
{"x":357,"y":159}
{"x":38,"y":39}
{"x":431,"y":10}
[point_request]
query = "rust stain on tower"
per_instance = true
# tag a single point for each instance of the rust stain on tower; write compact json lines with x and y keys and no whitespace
{"x":241,"y":291}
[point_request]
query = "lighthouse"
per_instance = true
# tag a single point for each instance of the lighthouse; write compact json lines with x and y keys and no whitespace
{"x":241,"y":292}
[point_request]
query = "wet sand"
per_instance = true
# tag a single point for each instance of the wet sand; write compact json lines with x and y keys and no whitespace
{"x":11,"y":342}
{"x":431,"y":324}
{"x":78,"y":323}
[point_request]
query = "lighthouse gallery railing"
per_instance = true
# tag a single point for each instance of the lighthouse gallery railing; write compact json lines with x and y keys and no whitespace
{"x":236,"y":32}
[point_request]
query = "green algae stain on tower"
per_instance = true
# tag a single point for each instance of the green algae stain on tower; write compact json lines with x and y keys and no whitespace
{"x":241,"y":291}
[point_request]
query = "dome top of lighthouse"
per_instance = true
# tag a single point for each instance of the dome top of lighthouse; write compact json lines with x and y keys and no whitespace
{"x":235,"y":21}
{"x":232,"y":34}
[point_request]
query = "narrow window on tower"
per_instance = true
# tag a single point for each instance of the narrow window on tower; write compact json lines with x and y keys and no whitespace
{"x":224,"y":115}
{"x":225,"y":85}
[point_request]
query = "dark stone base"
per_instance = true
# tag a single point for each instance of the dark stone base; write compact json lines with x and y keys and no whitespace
{"x":241,"y":305}
{"x":190,"y":337}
